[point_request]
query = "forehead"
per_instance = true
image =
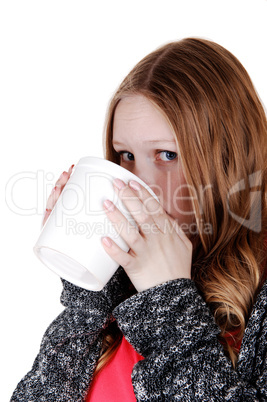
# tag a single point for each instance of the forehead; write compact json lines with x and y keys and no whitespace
{"x":137,"y":118}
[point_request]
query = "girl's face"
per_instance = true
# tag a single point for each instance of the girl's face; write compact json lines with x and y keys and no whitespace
{"x":147,"y":148}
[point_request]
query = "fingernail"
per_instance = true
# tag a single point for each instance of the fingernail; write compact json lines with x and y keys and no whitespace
{"x":133,"y":184}
{"x":107,"y":241}
{"x":54,"y":189}
{"x":109,"y":205}
{"x":119,"y":184}
{"x":70,"y":169}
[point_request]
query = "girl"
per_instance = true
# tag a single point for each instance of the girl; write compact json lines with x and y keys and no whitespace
{"x":184,"y":316}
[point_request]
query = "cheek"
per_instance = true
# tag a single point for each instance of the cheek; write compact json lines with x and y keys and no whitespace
{"x":181,"y":199}
{"x":174,"y":196}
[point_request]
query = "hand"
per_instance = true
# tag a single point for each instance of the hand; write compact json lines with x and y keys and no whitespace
{"x":57,"y":190}
{"x":159,"y":249}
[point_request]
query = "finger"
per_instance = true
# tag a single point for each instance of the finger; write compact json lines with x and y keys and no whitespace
{"x":116,"y":253}
{"x":52,"y":199}
{"x":134,"y":200}
{"x":62,"y":180}
{"x":57,"y":190}
{"x":162,"y":220}
{"x":180,"y":232}
{"x":46,"y":216}
{"x":64,"y":177}
{"x":129,"y":233}
{"x":70,"y":169}
{"x":151,"y":206}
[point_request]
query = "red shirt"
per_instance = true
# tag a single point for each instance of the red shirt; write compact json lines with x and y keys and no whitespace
{"x":113,"y":383}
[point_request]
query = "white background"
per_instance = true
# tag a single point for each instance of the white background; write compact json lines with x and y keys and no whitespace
{"x":60,"y":63}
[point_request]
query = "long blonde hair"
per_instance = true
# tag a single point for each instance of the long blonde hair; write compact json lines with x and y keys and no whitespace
{"x":219,"y":124}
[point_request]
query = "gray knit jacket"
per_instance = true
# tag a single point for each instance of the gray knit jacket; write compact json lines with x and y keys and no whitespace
{"x":170,"y":325}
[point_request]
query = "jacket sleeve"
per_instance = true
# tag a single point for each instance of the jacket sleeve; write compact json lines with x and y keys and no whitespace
{"x":172,"y":327}
{"x":63,"y":368}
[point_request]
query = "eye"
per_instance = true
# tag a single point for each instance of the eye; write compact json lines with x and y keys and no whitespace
{"x":169,"y":155}
{"x":126,"y":156}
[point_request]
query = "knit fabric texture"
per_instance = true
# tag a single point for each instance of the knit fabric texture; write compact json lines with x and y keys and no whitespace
{"x":170,"y":325}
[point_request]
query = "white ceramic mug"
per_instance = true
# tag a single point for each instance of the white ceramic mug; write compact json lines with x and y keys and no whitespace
{"x":70,"y":241}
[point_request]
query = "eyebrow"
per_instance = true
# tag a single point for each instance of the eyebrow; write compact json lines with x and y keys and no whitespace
{"x":148,"y":141}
